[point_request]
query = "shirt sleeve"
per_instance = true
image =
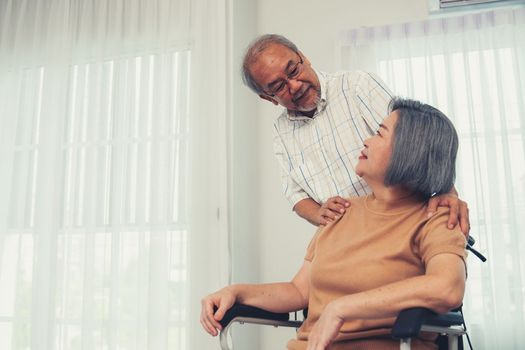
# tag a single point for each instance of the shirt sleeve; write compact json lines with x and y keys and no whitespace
{"x":436,"y":238}
{"x":375,"y":97}
{"x":291,"y":189}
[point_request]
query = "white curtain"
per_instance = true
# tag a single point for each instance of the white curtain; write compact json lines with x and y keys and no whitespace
{"x":472,"y":67}
{"x":108,"y":215}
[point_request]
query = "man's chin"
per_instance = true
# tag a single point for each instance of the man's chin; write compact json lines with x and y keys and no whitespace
{"x":308,"y":106}
{"x":306,"y":109}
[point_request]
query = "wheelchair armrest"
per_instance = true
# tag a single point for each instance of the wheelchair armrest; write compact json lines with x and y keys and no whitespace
{"x":240,"y":310}
{"x":240,"y":313}
{"x":409,"y":322}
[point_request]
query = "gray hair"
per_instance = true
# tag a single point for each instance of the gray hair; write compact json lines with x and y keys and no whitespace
{"x":424,"y":149}
{"x":254,"y":50}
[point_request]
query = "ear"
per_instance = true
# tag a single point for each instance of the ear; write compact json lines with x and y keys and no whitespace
{"x":305,"y":59}
{"x":268,"y":98}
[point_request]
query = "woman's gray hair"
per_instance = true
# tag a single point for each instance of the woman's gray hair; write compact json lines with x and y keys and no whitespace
{"x":254,"y":50}
{"x":424,"y":149}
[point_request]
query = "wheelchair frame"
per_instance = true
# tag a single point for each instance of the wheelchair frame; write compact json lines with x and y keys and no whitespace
{"x":408,"y":324}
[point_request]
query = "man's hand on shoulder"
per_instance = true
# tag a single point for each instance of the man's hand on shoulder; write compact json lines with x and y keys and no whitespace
{"x":332,"y":210}
{"x":458,"y":210}
{"x":321,"y":214}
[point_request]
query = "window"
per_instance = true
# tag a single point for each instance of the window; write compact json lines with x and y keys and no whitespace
{"x":105,"y":259}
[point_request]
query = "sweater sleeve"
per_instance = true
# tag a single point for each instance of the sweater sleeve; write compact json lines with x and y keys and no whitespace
{"x":435,"y":238}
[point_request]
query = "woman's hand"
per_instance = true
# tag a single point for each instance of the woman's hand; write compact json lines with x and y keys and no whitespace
{"x":325,"y":329}
{"x":223,"y":300}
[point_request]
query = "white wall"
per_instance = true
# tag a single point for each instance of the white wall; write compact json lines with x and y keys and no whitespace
{"x":244,"y":205}
{"x":314,"y":26}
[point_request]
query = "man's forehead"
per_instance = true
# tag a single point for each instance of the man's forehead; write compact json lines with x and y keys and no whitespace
{"x":274,"y":54}
{"x":272,"y":60}
{"x":277,"y":47}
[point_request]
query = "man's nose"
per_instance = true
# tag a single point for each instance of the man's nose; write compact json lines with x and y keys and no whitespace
{"x":293,"y":85}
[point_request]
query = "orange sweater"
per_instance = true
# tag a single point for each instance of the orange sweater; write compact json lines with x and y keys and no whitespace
{"x":372,"y":245}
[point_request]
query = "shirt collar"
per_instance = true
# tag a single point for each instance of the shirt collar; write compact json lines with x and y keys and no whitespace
{"x":294,"y":116}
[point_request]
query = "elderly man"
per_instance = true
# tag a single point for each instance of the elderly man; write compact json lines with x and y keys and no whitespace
{"x":320,"y":133}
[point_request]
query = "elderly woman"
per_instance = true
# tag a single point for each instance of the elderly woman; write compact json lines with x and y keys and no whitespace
{"x":384,"y":255}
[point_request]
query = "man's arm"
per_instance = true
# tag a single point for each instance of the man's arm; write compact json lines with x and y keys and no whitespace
{"x":291,"y":189}
{"x":323,"y":214}
{"x":305,"y":206}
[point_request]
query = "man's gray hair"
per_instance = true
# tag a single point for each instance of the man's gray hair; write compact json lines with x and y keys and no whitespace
{"x":424,"y":149}
{"x":254,"y":50}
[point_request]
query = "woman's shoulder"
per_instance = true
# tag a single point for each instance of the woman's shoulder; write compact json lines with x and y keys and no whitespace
{"x":360,"y":201}
{"x":357,"y":205}
{"x":436,"y":225}
{"x":440,"y":215}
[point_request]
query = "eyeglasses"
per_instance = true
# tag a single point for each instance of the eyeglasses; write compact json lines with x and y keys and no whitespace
{"x":294,"y":71}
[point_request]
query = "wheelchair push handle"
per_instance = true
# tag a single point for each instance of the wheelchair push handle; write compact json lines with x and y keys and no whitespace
{"x":470,"y":242}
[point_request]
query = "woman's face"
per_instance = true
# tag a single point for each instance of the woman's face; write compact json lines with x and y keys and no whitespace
{"x":375,"y":157}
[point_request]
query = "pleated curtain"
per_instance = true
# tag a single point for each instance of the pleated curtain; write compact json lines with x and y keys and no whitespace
{"x":106,"y":206}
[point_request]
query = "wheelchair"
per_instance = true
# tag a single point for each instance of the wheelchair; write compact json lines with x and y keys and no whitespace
{"x":450,"y":327}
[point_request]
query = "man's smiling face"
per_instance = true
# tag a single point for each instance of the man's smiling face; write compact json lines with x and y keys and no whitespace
{"x":286,"y":78}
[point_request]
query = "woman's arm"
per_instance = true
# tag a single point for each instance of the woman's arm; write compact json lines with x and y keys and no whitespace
{"x":275,"y":297}
{"x":440,"y":289}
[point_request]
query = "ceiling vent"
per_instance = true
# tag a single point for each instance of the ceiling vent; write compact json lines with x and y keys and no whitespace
{"x":455,"y":3}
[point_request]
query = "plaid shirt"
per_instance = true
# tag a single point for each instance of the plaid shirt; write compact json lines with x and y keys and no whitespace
{"x":317,"y":155}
